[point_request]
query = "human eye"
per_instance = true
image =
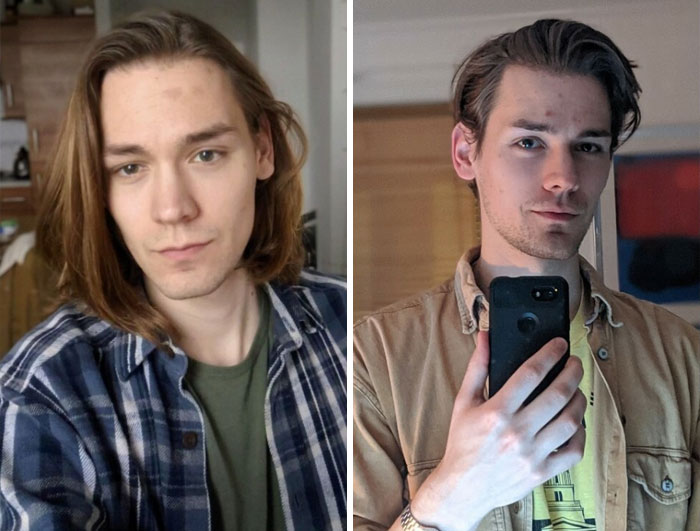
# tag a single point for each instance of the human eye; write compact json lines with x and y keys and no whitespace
{"x":529,"y":143}
{"x":590,"y":147}
{"x":128,"y":170}
{"x":207,"y":155}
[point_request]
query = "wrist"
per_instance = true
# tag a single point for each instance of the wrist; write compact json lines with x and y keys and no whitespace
{"x":432,"y":507}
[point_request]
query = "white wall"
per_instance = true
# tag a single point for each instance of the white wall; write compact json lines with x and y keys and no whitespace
{"x":411,"y":60}
{"x":301,"y":52}
{"x":232,"y":18}
{"x":328,"y":142}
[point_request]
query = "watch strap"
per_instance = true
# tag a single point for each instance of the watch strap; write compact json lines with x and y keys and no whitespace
{"x":409,"y":523}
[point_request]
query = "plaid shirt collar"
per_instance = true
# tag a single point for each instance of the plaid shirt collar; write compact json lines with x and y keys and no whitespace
{"x":290,"y":315}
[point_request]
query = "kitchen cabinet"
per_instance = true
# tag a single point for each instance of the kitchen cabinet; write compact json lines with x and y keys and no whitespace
{"x":16,"y":200}
{"x":11,"y":73}
{"x":51,"y":53}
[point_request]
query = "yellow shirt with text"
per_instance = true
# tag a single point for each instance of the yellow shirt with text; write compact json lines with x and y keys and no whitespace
{"x":567,"y":501}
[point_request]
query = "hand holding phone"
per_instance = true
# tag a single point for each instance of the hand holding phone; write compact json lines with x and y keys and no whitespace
{"x":515,"y":447}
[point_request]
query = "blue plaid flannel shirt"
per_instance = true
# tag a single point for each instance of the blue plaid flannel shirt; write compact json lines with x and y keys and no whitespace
{"x":96,"y":431}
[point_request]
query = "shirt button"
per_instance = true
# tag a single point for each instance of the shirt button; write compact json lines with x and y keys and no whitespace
{"x":667,"y":485}
{"x":189,"y":440}
{"x":516,"y":507}
{"x":603,"y":353}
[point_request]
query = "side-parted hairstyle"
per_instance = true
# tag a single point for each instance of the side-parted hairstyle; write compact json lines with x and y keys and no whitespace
{"x":77,"y":235}
{"x":557,"y":46}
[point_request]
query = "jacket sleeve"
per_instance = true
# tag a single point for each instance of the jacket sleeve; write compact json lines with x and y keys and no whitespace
{"x":378,"y":473}
{"x":47,"y":479}
{"x":694,"y":506}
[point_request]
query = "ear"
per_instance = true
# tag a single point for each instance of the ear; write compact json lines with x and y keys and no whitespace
{"x":463,"y":152}
{"x":264,"y":151}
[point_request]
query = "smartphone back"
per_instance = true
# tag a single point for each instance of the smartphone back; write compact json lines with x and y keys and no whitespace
{"x":525,"y":313}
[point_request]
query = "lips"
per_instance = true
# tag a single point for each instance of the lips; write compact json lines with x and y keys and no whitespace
{"x":183,"y":252}
{"x":556,"y":212}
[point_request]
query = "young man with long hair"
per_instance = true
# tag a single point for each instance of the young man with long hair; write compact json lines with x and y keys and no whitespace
{"x":613,"y":442}
{"x":194,"y":377}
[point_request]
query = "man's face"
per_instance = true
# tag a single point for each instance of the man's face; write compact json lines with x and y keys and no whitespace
{"x":544,"y":161}
{"x":182,"y":167}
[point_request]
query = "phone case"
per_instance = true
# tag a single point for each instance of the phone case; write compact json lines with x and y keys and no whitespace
{"x":525,"y":313}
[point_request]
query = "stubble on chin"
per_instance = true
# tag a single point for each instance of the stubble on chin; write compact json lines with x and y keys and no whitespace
{"x":551,"y":243}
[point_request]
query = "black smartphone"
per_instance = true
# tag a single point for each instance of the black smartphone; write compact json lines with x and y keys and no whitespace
{"x":524,"y":314}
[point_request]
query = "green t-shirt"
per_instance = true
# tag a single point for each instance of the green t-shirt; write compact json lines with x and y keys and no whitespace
{"x":567,"y":501}
{"x":243,"y":488}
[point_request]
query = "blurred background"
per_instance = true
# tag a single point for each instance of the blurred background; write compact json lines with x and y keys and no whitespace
{"x":298,"y":45}
{"x":413,"y":218}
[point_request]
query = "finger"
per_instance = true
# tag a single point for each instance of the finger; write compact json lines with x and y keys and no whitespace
{"x":530,"y":374}
{"x":472,"y":391}
{"x":567,"y":456}
{"x":554,"y":398}
{"x":562,"y":428}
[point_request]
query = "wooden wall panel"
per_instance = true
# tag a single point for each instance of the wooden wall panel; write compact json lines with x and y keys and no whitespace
{"x":413,"y":218}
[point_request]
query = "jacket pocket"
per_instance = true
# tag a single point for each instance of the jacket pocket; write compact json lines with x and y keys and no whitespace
{"x":659,"y":486}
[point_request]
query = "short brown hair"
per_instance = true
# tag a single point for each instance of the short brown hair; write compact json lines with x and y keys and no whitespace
{"x":559,"y":46}
{"x":77,"y":234}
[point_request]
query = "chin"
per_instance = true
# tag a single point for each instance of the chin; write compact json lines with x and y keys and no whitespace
{"x":556,"y":247}
{"x":179,"y":293}
{"x":184,"y":288}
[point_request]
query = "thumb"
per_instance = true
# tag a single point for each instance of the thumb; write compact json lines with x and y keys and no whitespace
{"x":472,"y":390}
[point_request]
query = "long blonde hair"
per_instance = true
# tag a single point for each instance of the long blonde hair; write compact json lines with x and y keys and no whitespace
{"x":76,"y":233}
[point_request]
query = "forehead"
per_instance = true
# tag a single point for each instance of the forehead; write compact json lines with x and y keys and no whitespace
{"x":166,"y":97}
{"x":541,"y":95}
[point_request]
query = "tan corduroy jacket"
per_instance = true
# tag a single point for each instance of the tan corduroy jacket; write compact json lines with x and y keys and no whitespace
{"x":410,"y":359}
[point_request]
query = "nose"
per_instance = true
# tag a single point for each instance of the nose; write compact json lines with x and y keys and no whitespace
{"x":560,"y":171}
{"x":172,"y":197}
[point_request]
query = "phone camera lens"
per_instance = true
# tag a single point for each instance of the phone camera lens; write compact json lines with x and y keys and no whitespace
{"x":527,"y":323}
{"x":544,"y":294}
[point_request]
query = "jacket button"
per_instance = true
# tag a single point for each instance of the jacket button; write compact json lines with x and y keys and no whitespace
{"x":603,"y":353}
{"x":667,"y":485}
{"x":189,"y":440}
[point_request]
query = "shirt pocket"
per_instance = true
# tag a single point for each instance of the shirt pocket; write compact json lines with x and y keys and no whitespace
{"x":659,"y":487}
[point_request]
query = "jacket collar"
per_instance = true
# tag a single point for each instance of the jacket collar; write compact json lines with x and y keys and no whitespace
{"x":473,"y":305}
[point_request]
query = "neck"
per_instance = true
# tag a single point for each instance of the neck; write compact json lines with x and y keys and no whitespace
{"x":217,"y":328}
{"x":513,"y":263}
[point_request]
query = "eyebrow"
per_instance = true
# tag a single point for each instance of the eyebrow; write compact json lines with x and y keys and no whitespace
{"x":546,"y":128}
{"x":204,"y":135}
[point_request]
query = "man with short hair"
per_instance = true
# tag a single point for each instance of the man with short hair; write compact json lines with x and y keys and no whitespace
{"x":613,"y":442}
{"x":195,"y":377}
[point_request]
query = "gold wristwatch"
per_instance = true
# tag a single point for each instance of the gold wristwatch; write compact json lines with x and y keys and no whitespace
{"x":408,"y":523}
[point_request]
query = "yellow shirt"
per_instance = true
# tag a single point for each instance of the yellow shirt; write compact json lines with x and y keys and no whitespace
{"x":567,"y":501}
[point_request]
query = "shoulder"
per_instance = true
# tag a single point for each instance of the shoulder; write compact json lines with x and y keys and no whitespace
{"x":641,"y":314}
{"x":409,"y":335}
{"x":320,"y":285}
{"x":322,"y":294}
{"x":653,"y":329}
{"x":421,"y":309}
{"x":58,"y":344}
